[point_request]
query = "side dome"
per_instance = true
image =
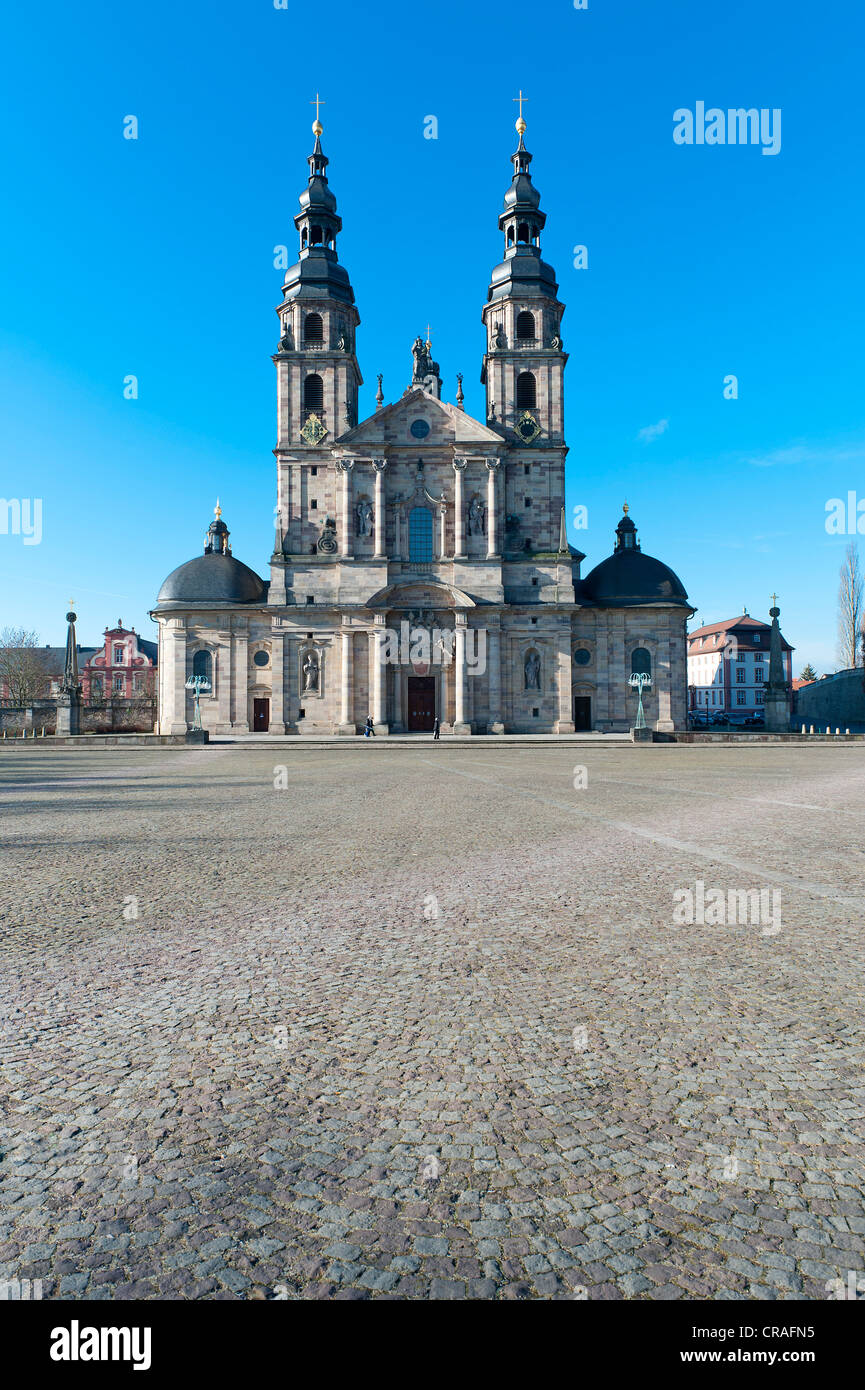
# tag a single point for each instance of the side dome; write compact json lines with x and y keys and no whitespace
{"x":628,"y":577}
{"x":215,"y":576}
{"x":212,"y":579}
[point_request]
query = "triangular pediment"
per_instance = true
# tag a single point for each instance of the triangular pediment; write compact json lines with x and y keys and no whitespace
{"x":391,"y":427}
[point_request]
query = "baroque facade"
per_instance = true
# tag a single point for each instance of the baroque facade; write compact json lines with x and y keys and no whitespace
{"x":420,"y":566}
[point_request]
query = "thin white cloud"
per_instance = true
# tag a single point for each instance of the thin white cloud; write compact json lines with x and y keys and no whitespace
{"x":810,"y":454}
{"x":652,"y":432}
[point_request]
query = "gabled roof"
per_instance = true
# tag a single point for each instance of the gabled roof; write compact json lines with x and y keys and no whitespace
{"x":743,"y":620}
{"x":378,"y":428}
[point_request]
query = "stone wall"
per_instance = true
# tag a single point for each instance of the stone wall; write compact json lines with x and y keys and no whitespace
{"x":837,"y":700}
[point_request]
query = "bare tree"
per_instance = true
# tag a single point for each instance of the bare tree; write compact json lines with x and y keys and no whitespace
{"x":851,"y":609}
{"x":23,"y":674}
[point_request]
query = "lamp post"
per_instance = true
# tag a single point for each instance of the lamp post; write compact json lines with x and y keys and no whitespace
{"x":198,"y":684}
{"x":640,"y":680}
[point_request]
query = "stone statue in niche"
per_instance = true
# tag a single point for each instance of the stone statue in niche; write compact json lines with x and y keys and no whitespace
{"x":311,"y":671}
{"x":477,"y":516}
{"x":533,"y":671}
{"x":364,"y":517}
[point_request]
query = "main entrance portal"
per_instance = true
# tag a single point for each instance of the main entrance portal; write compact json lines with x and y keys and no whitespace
{"x":421,"y":703}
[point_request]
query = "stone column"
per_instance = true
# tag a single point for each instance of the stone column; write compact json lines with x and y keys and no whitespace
{"x":379,"y":465}
{"x":443,"y":523}
{"x":344,"y":466}
{"x":377,"y":675}
{"x":277,"y":692}
{"x":222,"y":677}
{"x":494,"y":681}
{"x":565,"y":721}
{"x":175,"y":678}
{"x":397,"y":700}
{"x":493,"y":465}
{"x":459,"y":510}
{"x":346,"y":720}
{"x":460,"y":725}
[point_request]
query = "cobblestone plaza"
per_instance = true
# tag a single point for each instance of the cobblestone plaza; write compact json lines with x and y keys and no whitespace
{"x":368,"y":1021}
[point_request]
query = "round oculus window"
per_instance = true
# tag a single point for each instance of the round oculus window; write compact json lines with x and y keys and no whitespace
{"x":419,"y":428}
{"x":582,"y":657}
{"x":261,"y":658}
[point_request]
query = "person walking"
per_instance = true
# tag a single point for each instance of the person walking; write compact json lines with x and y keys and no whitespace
{"x":369,"y":731}
{"x":436,"y":727}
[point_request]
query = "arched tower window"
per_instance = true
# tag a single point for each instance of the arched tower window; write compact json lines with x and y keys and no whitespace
{"x":523,"y":232}
{"x":316,"y":235}
{"x":510,"y":236}
{"x":641,"y":662}
{"x":420,"y":534}
{"x":313,"y":329}
{"x":313,"y":392}
{"x":525,"y":324}
{"x":202,"y":665}
{"x":527,"y":396}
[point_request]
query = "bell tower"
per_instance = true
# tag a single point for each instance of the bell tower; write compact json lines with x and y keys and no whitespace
{"x":317,"y":370}
{"x":523,"y":368}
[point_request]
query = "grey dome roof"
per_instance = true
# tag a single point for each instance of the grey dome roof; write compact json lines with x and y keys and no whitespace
{"x":629,"y":577}
{"x":212,"y":578}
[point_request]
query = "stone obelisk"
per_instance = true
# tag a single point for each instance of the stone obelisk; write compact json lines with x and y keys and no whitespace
{"x":777,"y":696}
{"x":69,"y":699}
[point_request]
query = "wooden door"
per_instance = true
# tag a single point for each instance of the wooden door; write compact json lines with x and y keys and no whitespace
{"x":260,"y":716}
{"x":421,"y":703}
{"x":582,"y":712}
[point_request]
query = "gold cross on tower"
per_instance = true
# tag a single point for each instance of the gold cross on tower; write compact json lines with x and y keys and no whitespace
{"x":521,"y":125}
{"x":774,"y":600}
{"x":317,"y":103}
{"x":428,"y":331}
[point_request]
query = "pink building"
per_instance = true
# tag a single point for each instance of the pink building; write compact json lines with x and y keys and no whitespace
{"x":123,"y":668}
{"x":728,"y":667}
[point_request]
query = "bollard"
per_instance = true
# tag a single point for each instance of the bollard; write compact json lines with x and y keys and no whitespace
{"x":847,"y":731}
{"x":812,"y":729}
{"x":837,"y":732}
{"x":803,"y":728}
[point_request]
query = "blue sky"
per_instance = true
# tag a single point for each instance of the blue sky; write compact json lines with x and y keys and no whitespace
{"x":155,"y":258}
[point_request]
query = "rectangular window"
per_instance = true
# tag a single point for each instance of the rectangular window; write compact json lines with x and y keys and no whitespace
{"x":314,"y":471}
{"x":313,"y":505}
{"x":310,"y":598}
{"x":740,"y":697}
{"x":759,"y":697}
{"x":740,"y":675}
{"x":118,"y":656}
{"x":118,"y":684}
{"x":758,"y":673}
{"x":528,"y":501}
{"x":756,"y":637}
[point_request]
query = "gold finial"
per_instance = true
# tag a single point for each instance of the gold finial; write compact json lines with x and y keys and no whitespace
{"x":625,"y":508}
{"x":520,"y":123}
{"x":217,"y":510}
{"x":316,"y":125}
{"x":71,"y":603}
{"x":428,"y":331}
{"x":774,"y":600}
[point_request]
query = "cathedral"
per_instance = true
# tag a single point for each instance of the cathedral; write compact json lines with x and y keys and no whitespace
{"x":421,"y":569}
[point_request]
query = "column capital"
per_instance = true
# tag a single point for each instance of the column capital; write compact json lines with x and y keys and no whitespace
{"x":344,"y":465}
{"x":379,"y":464}
{"x":460,"y":463}
{"x":492,"y":462}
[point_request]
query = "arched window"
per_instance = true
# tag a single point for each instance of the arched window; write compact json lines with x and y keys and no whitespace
{"x":303,"y":239}
{"x":641,"y":662}
{"x":313,"y":392}
{"x":313,"y":329}
{"x":527,"y":395}
{"x":525,"y":324}
{"x":420,"y":534}
{"x":510,"y":236}
{"x":202,"y":665}
{"x":523,"y":232}
{"x":316,"y":236}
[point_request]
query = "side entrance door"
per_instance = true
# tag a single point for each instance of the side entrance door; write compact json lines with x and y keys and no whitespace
{"x":421,"y":703}
{"x":582,"y":713}
{"x":260,"y":716}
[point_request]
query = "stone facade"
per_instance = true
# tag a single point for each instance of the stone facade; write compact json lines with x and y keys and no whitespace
{"x":420,"y":567}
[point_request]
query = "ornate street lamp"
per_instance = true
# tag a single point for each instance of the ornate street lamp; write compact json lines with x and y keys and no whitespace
{"x":640,"y":680}
{"x":198,"y":684}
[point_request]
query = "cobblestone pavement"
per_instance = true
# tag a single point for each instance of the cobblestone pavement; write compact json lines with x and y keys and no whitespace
{"x":418,"y":1025}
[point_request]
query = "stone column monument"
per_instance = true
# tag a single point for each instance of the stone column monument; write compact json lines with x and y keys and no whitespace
{"x":69,"y":698}
{"x":777,"y":696}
